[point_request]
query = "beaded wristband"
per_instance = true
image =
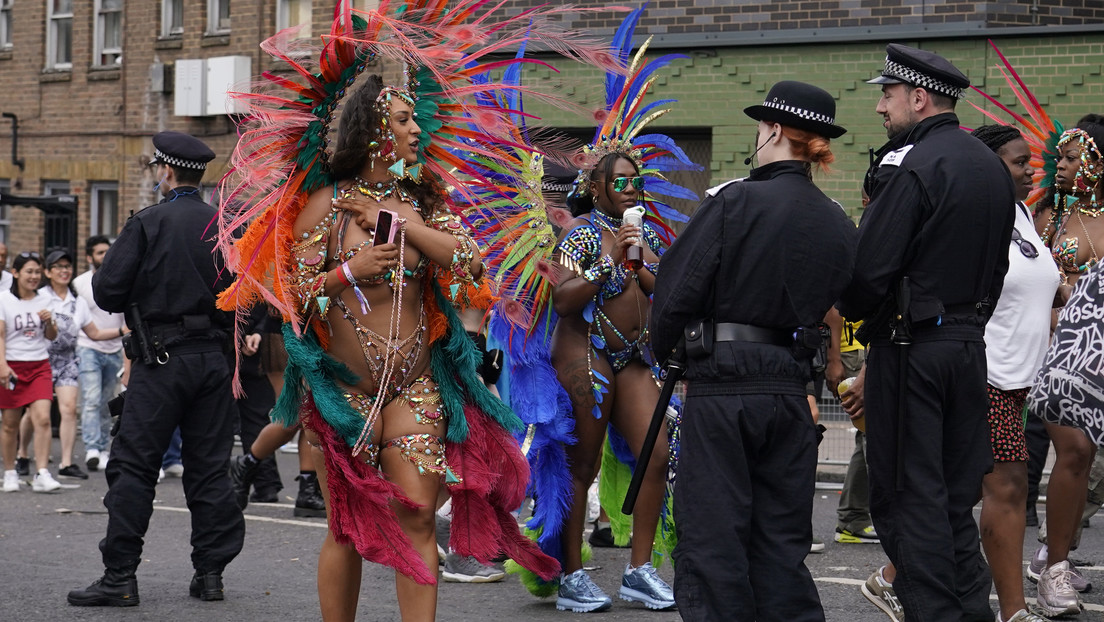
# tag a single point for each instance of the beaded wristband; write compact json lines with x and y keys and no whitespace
{"x":599,"y":271}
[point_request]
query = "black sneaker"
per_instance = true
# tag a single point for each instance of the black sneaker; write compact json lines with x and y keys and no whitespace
{"x":22,"y":466}
{"x":242,"y":474}
{"x":602,"y":537}
{"x":72,"y":471}
{"x":206,"y":586}
{"x":113,"y":589}
{"x":265,"y":496}
{"x":309,"y":502}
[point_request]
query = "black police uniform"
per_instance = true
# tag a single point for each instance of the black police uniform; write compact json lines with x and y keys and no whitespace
{"x":258,"y":398}
{"x":164,"y":262}
{"x":769,"y":251}
{"x":940,"y":213}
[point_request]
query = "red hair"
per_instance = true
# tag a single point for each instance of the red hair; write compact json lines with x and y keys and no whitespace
{"x":810,"y":146}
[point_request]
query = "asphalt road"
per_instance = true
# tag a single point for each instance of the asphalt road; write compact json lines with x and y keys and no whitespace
{"x":48,"y":545}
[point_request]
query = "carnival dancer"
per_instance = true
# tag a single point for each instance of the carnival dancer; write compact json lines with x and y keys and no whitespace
{"x":380,"y":369}
{"x":600,"y":373}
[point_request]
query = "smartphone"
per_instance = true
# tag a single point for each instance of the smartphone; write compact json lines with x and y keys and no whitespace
{"x":387,"y":227}
{"x":11,"y":382}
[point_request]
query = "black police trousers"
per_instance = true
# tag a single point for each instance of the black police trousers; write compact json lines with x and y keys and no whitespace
{"x":192,"y":391}
{"x":928,"y":529}
{"x":743,"y":508}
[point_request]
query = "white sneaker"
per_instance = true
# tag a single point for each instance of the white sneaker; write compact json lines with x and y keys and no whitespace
{"x":44,"y":482}
{"x":92,"y":459}
{"x":160,"y":476}
{"x":11,"y":481}
{"x":174,"y":470}
{"x":104,"y":455}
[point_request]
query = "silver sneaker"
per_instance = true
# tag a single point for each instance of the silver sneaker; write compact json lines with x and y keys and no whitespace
{"x":469,"y":570}
{"x":643,"y":585}
{"x":1023,"y":615}
{"x":1056,"y":595}
{"x":579,"y":594}
{"x":1039,"y":562}
{"x":881,"y":593}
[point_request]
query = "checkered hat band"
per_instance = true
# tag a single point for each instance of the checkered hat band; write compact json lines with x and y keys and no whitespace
{"x":910,"y":75}
{"x":801,"y":112}
{"x":174,"y":161}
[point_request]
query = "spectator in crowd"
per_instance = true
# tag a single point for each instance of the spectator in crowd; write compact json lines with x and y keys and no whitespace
{"x":72,"y":318}
{"x":26,"y":328}
{"x":99,"y":362}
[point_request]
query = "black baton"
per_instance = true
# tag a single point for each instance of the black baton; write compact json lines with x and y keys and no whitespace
{"x":902,"y":338}
{"x":672,"y":372}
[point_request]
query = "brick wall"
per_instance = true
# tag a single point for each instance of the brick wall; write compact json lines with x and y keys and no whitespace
{"x":714,"y":85}
{"x":93,"y":124}
{"x":674,"y":17}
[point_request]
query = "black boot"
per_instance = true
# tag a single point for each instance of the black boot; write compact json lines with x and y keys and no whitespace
{"x":309,"y":503}
{"x":206,"y":586}
{"x":242,"y":474}
{"x":116,"y":588}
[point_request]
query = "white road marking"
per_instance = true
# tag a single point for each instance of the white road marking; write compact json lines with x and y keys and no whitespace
{"x":847,"y":581}
{"x":263,"y":519}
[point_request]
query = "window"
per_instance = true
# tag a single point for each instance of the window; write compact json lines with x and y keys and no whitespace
{"x":293,"y":13}
{"x":5,"y":215}
{"x":218,"y":16}
{"x":109,"y":33}
{"x":59,"y":34}
{"x":172,"y":18}
{"x":55,"y":188}
{"x":5,"y":25}
{"x":105,"y":209}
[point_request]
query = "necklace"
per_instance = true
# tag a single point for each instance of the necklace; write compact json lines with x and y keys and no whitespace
{"x":379,"y":190}
{"x":607,"y":222}
{"x":1089,"y":208}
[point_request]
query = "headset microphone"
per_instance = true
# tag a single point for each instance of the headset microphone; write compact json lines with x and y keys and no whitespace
{"x":747,"y":160}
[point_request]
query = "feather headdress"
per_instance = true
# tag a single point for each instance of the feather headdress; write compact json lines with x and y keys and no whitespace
{"x":281,"y":154}
{"x":1042,"y":133}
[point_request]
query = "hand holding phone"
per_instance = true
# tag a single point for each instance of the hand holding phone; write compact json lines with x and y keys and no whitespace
{"x":11,"y":381}
{"x":387,"y":227}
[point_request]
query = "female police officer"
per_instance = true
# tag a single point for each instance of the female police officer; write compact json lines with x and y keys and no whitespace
{"x":762,"y":260}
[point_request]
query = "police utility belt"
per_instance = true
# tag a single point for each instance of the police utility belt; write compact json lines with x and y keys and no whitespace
{"x":804,"y":342}
{"x":151,"y":344}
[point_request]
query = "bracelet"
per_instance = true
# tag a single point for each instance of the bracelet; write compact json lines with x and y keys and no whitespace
{"x":345,"y":275}
{"x":599,"y":271}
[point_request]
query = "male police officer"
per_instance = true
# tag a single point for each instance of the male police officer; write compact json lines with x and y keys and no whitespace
{"x":763,"y":259}
{"x":933,"y":250}
{"x":162,"y":273}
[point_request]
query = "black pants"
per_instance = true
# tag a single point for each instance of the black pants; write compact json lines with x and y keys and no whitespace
{"x":192,"y":391}
{"x":928,"y":528}
{"x":254,"y":411}
{"x":743,"y":509}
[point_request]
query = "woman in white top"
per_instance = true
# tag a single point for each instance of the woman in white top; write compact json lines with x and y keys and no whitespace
{"x":26,"y":327}
{"x":1015,"y":344}
{"x":71,"y":316}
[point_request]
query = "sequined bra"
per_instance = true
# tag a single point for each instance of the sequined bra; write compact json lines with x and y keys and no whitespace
{"x":582,"y":247}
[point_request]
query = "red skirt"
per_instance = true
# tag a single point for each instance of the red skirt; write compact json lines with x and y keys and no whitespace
{"x":33,"y":382}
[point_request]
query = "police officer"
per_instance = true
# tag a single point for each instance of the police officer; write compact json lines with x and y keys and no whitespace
{"x":162,"y":273}
{"x":933,"y":250}
{"x":765,"y":257}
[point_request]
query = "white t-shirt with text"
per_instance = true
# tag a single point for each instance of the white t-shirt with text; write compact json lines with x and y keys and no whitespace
{"x":24,"y":339}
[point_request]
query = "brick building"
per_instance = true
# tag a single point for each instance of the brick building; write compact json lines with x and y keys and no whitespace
{"x":89,"y":81}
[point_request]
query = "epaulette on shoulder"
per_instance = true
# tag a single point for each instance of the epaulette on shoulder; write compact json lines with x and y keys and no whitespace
{"x":895,"y":158}
{"x":715,"y":190}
